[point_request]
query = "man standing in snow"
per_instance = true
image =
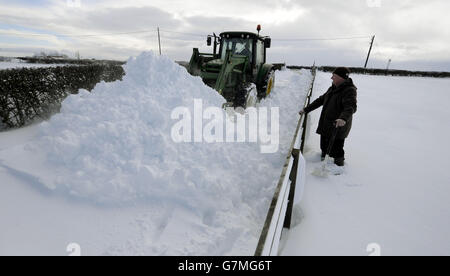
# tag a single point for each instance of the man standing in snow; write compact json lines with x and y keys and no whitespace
{"x":339,"y":104}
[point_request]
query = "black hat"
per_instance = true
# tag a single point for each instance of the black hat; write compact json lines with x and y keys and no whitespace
{"x":342,"y":72}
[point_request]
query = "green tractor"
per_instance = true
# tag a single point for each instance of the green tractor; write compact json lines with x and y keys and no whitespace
{"x":238,"y":71}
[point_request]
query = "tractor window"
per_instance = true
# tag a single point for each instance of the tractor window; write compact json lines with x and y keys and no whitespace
{"x":238,"y":46}
{"x":260,"y":52}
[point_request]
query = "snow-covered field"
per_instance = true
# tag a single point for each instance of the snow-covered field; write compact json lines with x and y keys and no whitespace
{"x":106,"y":174}
{"x":17,"y":64}
{"x":394,"y":194}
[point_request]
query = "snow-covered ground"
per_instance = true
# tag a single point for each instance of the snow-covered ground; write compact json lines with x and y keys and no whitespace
{"x":394,"y":194}
{"x":17,"y":64}
{"x":106,"y":174}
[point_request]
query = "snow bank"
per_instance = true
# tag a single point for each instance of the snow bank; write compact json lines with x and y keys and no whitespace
{"x":113,"y":147}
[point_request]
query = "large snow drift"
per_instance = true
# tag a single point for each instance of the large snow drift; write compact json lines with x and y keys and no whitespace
{"x":113,"y":147}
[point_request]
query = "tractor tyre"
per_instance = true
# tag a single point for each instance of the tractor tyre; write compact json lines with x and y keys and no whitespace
{"x":268,"y":84}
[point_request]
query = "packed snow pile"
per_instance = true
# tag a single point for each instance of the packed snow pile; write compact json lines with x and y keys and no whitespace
{"x":114,"y":147}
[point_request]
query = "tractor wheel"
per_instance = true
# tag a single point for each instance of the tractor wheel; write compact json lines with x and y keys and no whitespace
{"x":269,"y":83}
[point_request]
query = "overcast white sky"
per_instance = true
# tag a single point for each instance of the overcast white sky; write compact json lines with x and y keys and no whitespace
{"x":415,"y":34}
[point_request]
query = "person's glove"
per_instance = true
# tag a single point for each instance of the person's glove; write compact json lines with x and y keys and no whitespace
{"x":340,"y":123}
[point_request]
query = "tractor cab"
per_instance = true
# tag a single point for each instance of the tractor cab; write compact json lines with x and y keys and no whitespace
{"x":238,"y":65}
{"x":246,"y":44}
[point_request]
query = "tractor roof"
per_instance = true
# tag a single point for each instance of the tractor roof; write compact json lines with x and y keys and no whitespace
{"x":240,"y":34}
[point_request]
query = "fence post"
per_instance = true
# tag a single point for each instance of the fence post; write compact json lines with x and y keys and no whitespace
{"x":293,"y":179}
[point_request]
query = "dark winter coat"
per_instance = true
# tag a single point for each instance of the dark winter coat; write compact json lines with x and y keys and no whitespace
{"x":338,"y":103}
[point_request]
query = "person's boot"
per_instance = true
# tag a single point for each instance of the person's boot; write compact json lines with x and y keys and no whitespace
{"x":339,"y":161}
{"x":322,"y":156}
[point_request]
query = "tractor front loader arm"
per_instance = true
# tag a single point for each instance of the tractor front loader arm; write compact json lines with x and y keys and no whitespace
{"x":231,"y":75}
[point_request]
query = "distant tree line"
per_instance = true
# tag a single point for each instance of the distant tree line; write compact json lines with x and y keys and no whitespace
{"x":65,"y":60}
{"x":384,"y":72}
{"x":27,"y":94}
{"x":8,"y":59}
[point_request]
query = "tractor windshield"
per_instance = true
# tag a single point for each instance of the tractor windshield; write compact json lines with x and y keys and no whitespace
{"x":238,"y":46}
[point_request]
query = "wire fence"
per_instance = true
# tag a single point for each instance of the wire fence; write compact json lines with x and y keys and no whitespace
{"x":170,"y":35}
{"x":169,"y":42}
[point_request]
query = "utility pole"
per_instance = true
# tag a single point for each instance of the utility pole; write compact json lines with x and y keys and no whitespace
{"x":159,"y":42}
{"x":370,"y":49}
{"x":389,"y":63}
